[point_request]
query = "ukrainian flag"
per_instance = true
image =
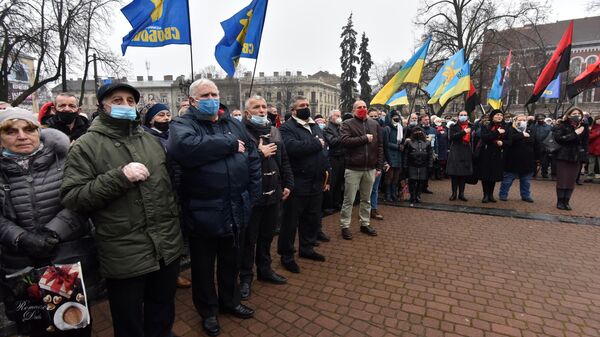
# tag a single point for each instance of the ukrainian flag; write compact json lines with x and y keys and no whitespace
{"x":495,"y":95}
{"x":444,"y":76}
{"x":399,"y":98}
{"x":459,"y":84}
{"x":410,"y":73}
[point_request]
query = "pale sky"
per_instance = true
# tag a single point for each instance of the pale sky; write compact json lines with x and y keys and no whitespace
{"x":298,"y":35}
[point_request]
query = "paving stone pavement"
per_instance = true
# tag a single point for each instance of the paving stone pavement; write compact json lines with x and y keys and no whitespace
{"x":432,"y":274}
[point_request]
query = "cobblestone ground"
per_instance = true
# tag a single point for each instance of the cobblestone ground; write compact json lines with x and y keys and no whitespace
{"x":434,"y":274}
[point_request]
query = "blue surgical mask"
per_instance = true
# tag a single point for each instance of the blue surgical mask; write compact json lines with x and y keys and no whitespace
{"x":239,"y":118}
{"x":463,"y":119}
{"x":259,"y":120}
{"x":322,"y":126}
{"x":123,"y":112}
{"x":413,"y":124}
{"x":208,"y":106}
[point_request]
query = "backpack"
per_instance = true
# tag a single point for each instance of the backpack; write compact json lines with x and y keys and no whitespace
{"x":550,"y":144}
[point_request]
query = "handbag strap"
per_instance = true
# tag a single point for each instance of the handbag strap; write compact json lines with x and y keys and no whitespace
{"x":8,"y":210}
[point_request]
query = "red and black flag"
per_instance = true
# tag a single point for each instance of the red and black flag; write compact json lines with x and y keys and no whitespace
{"x":588,"y":79}
{"x":558,"y":63}
{"x":473,"y":99}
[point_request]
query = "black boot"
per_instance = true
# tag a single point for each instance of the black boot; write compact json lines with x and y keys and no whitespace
{"x":454,"y":189}
{"x":394,"y":188}
{"x":567,"y":199}
{"x":412,"y":190}
{"x":461,"y":189}
{"x":560,"y":201}
{"x":388,"y":193}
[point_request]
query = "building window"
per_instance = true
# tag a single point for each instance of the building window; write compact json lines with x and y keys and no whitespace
{"x":268,"y":95}
{"x":575,"y":67}
{"x":313,"y":96}
{"x":513,"y":97}
{"x":279,"y":96}
{"x":300,"y":93}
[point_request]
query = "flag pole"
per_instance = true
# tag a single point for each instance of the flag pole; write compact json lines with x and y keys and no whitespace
{"x":252,"y":80}
{"x":187,"y":3}
{"x":257,"y":53}
{"x":560,"y":99}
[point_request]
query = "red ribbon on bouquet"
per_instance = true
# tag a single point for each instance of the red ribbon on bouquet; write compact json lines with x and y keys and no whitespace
{"x":61,"y":277}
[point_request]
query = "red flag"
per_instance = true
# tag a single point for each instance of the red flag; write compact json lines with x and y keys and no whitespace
{"x":473,"y":99}
{"x":558,"y":63}
{"x":588,"y":79}
{"x":506,"y":76}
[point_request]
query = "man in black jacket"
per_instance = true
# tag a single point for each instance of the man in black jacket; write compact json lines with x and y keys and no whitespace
{"x":66,"y":116}
{"x":305,"y":145}
{"x":220,"y":169}
{"x":277,"y":183}
{"x":336,"y":158}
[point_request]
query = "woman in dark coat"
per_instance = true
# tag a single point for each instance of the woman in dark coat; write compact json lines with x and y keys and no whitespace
{"x":35,"y":229}
{"x":490,"y":161}
{"x":569,"y":133}
{"x":460,"y":157}
{"x":393,"y":154}
{"x":418,"y":160}
{"x":520,"y":158}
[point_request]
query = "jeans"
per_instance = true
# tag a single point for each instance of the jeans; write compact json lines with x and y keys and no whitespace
{"x":524,"y":184}
{"x":375,"y":192}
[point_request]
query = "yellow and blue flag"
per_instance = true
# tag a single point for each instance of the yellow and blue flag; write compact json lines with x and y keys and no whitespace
{"x":495,"y":95}
{"x":156,"y":23}
{"x":444,"y":76}
{"x":242,"y":36}
{"x":399,"y":98}
{"x":459,"y":84}
{"x":410,"y":73}
{"x":553,"y":89}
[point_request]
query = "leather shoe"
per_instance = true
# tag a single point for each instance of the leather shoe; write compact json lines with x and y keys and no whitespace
{"x":245,"y":291}
{"x":528,"y":199}
{"x":182,"y":282}
{"x":211,"y":326}
{"x":291,"y":266}
{"x":427,"y":191}
{"x":315,"y":244}
{"x":462,"y":197}
{"x":272,"y":278}
{"x":241,"y":311}
{"x":452,"y":197}
{"x":376,"y":215}
{"x":368,"y":230}
{"x":346,"y":234}
{"x":323,"y":237}
{"x":313,"y":256}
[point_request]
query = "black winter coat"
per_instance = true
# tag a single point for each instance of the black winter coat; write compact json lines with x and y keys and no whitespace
{"x":418,"y":159}
{"x":162,"y":137}
{"x":460,"y":157}
{"x":334,"y":140}
{"x":307,"y":157}
{"x":220,"y":185}
{"x":80,"y":127}
{"x":443,"y":143}
{"x":490,"y":164}
{"x":520,"y":152}
{"x":276,"y":170}
{"x":35,"y":198}
{"x":573,"y":147}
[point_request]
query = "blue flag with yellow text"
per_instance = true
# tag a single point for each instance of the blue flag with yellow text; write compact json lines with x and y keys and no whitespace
{"x":156,"y":23}
{"x":553,"y":89}
{"x":242,"y":36}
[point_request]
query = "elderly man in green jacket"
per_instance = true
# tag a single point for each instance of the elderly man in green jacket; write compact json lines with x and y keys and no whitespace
{"x":117,"y":174}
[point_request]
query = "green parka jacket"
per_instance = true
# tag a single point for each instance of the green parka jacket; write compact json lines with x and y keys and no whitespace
{"x":136,"y":224}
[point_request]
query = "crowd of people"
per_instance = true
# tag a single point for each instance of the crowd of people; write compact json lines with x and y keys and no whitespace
{"x":129,"y":193}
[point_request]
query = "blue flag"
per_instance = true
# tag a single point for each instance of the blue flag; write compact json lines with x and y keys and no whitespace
{"x":156,"y":23}
{"x":242,"y":36}
{"x":553,"y":89}
{"x":446,"y":73}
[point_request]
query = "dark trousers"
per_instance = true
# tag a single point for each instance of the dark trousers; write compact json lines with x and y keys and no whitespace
{"x":488,"y":188}
{"x":257,"y":242}
{"x":458,"y":185}
{"x":545,"y":163}
{"x":337,"y":181}
{"x":415,"y":187}
{"x":302,"y":214}
{"x":204,"y":252}
{"x":144,"y":306}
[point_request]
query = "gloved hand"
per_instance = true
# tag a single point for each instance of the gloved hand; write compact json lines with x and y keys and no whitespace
{"x":136,"y":172}
{"x":37,"y":244}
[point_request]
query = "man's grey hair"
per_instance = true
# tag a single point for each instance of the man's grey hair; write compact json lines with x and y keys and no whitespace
{"x":255,"y":97}
{"x":295,"y":100}
{"x":332,"y":111}
{"x":198,"y":83}
{"x":66,"y":94}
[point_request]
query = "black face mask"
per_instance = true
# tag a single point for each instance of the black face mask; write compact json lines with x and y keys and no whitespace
{"x":303,"y":114}
{"x":66,"y":117}
{"x":161,"y":126}
{"x":396,"y":120}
